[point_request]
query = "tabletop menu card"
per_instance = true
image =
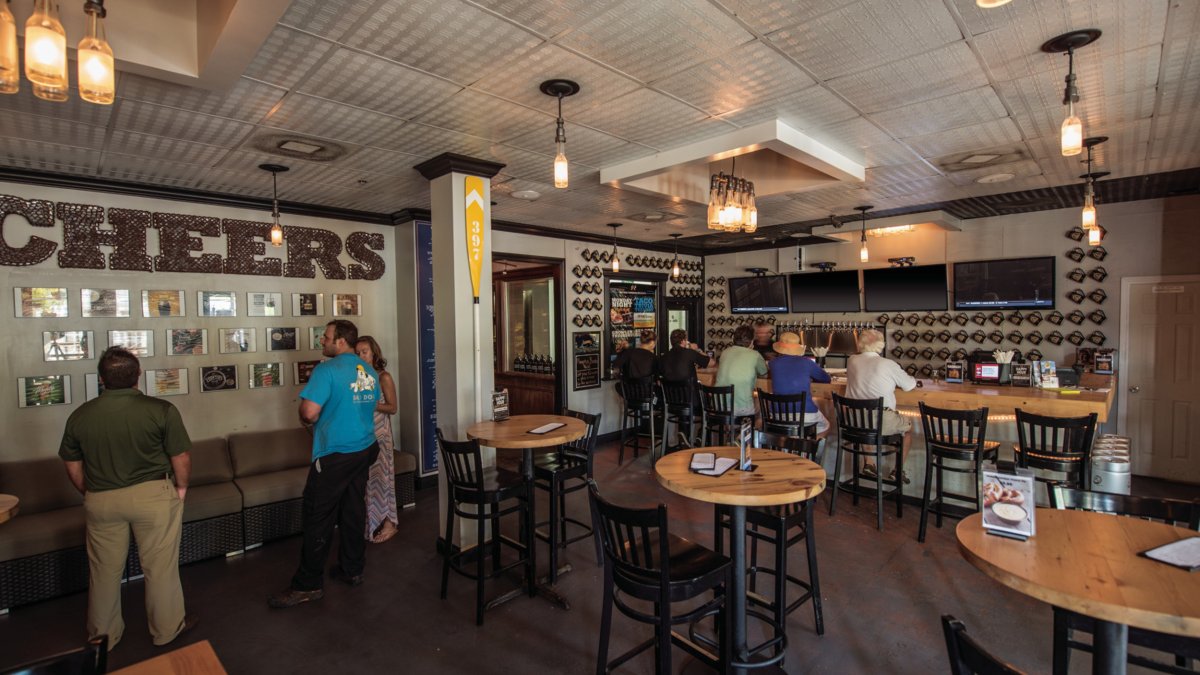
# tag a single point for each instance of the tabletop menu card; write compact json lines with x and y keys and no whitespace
{"x":954,"y":371}
{"x":1008,"y":506}
{"x":546,"y":428}
{"x":707,"y":464}
{"x":1022,"y":374}
{"x":747,"y":431}
{"x":1184,"y":553}
{"x":500,"y":405}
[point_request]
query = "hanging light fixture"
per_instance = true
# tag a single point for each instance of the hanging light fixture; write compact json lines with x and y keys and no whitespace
{"x":97,"y":79}
{"x":616,"y":262}
{"x":10,"y":66}
{"x":559,"y":89}
{"x":1088,"y":221}
{"x":731,"y":205}
{"x":1072,"y":126}
{"x":991,"y":4}
{"x":863,"y":254}
{"x":675,"y":270}
{"x":276,"y":228}
{"x":46,"y":52}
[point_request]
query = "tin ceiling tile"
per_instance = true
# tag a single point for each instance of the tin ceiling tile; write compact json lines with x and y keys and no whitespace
{"x":986,"y":135}
{"x":1020,"y":170}
{"x":518,"y":80}
{"x":141,"y":169}
{"x":332,"y":176}
{"x":586,"y":145}
{"x":327,"y":119}
{"x":157,"y":147}
{"x":43,"y":156}
{"x":665,"y":138}
{"x":383,"y":162}
{"x":146,"y":118}
{"x":483,"y":115}
{"x":956,"y":110}
{"x":52,"y":130}
{"x":74,"y":108}
{"x":286,"y":57}
{"x":326,"y":19}
{"x":768,"y":16}
{"x":639,"y":115}
{"x":243,"y":183}
{"x":908,"y":81}
{"x":246,"y":100}
{"x":1017,"y":184}
{"x":428,"y":141}
{"x":370,"y":82}
{"x":751,"y":73}
{"x":885,"y":175}
{"x":805,"y":109}
{"x":549,"y":18}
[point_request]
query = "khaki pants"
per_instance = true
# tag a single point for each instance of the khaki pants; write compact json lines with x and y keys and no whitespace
{"x":155,"y":514}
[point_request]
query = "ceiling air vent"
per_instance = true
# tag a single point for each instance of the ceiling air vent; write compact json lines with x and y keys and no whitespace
{"x":975,"y":159}
{"x":294,"y":146}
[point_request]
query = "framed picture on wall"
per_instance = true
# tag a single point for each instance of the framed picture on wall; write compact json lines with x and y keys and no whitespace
{"x":282,"y":339}
{"x":238,"y":340}
{"x":218,"y":378}
{"x":187,"y":341}
{"x":315,"y":333}
{"x":216,"y":303}
{"x":162,"y":303}
{"x":303,"y":370}
{"x":266,"y":375}
{"x":39,"y":303}
{"x":167,"y":382}
{"x":104,"y":302}
{"x":42,"y":390}
{"x":92,"y":386}
{"x":264,"y":304}
{"x":308,"y":304}
{"x":140,"y":342}
{"x":347,"y":304}
{"x":68,"y":345}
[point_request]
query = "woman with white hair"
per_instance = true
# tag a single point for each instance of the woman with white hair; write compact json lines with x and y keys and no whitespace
{"x":868,"y":376}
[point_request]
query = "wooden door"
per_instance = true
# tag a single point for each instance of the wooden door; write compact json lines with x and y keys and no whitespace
{"x":1160,"y":375}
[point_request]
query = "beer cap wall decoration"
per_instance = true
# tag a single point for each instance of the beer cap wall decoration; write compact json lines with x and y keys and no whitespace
{"x":1076,"y":233}
{"x":1098,"y":274}
{"x":1055,"y":338}
{"x":1097,"y":338}
{"x":1076,"y":338}
{"x":1034,"y":318}
{"x":1034,"y":337}
{"x":1076,"y":296}
{"x":1098,"y":253}
{"x":1077,"y":275}
{"x":1055,"y":318}
{"x":1097,"y":317}
{"x":1076,"y":254}
{"x":1098,"y":296}
{"x":1076,"y":317}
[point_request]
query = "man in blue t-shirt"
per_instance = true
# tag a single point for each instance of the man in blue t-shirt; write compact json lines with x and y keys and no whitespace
{"x":339,"y":404}
{"x":793,"y":373}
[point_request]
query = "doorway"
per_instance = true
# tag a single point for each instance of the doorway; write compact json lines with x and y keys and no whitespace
{"x":528,"y":332}
{"x":685,"y":313}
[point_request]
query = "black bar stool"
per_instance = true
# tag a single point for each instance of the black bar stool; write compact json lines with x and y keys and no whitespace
{"x":639,"y":411}
{"x":1062,"y":444}
{"x":718,"y":420}
{"x":860,"y":423}
{"x":784,"y":414}
{"x":968,"y":657}
{"x":953,"y":436}
{"x":679,"y":408}
{"x":560,"y":472}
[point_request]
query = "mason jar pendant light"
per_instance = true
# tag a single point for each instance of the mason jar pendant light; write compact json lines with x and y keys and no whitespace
{"x":1072,"y":126}
{"x":46,"y":52}
{"x":97,"y":80}
{"x":616,"y":262}
{"x":675,"y":271}
{"x":10,"y":67}
{"x":559,"y":89}
{"x":863,"y":254}
{"x":276,"y":228}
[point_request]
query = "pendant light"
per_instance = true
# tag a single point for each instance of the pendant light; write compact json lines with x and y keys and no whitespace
{"x":10,"y":67}
{"x":863,"y":254}
{"x":46,"y":52}
{"x":991,"y":4}
{"x":276,"y":228}
{"x":1072,"y":126}
{"x":559,"y":89}
{"x":97,"y":80}
{"x":616,"y":262}
{"x":675,"y":270}
{"x":1088,"y":219}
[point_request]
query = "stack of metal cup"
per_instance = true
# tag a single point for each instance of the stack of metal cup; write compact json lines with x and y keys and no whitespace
{"x":1111,"y":470}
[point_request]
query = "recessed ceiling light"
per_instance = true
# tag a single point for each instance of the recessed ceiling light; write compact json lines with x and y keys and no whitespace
{"x":529,"y":195}
{"x":979,"y":159}
{"x":995,"y":178}
{"x":300,"y":146}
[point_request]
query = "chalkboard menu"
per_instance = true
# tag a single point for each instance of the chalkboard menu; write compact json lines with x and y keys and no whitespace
{"x":586,"y":355}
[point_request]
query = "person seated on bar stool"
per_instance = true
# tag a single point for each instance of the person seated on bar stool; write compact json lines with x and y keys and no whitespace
{"x":678,"y":369}
{"x":763,"y":342}
{"x":868,"y":376}
{"x":793,"y":373}
{"x":741,"y":366}
{"x":638,"y":363}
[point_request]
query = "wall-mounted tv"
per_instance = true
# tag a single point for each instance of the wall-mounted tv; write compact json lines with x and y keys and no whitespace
{"x":758,"y":295}
{"x":905,"y":288}
{"x":824,"y":291}
{"x":1013,"y":283}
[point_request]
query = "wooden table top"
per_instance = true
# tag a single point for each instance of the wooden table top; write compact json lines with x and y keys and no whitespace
{"x":1088,"y":563}
{"x":780,"y":478}
{"x":8,"y":507}
{"x":197,"y":658}
{"x":513,"y":433}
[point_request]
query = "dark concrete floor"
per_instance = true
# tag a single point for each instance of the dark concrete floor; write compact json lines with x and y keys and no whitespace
{"x":883,"y":596}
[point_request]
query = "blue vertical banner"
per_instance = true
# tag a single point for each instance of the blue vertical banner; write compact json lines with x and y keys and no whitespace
{"x":429,"y":450}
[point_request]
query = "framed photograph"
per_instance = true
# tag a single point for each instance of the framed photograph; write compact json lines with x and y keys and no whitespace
{"x":282,"y":339}
{"x":162,"y":303}
{"x":237,"y":340}
{"x":264,"y":304}
{"x":187,"y":341}
{"x":104,"y":302}
{"x":266,"y":375}
{"x":315,"y":333}
{"x":308,"y":304}
{"x":216,"y":303}
{"x":167,"y":382}
{"x":303,"y":370}
{"x":92,"y":386}
{"x":218,"y":378}
{"x":43,"y":390}
{"x":347,"y":304}
{"x":68,"y":345}
{"x":37,"y":303}
{"x":140,"y":342}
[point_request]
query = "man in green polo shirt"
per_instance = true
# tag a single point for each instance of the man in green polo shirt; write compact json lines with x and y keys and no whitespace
{"x":127,"y":453}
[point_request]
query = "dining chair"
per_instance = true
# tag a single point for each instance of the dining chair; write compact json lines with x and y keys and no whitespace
{"x":718,"y":419}
{"x":955,"y":441}
{"x":1062,"y":444}
{"x":679,"y":408}
{"x":860,"y":433}
{"x":784,"y":413}
{"x":560,"y":472}
{"x":638,"y":412}
{"x":90,"y":659}
{"x":968,"y":657}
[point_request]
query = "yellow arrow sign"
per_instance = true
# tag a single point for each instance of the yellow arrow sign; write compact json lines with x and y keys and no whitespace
{"x":473,"y":188}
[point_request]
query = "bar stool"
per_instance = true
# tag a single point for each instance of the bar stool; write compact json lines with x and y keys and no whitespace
{"x":560,"y":472}
{"x":1061,"y":444}
{"x":954,"y":436}
{"x":860,"y":423}
{"x":718,"y":420}
{"x":639,"y":409}
{"x":784,"y":414}
{"x":487,"y":489}
{"x":679,"y":408}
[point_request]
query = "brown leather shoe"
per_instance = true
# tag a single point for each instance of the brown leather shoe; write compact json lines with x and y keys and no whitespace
{"x":291,"y":597}
{"x":350,"y":580}
{"x":189,"y":622}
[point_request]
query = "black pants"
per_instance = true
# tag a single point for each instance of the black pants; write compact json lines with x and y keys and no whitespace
{"x":335,"y":494}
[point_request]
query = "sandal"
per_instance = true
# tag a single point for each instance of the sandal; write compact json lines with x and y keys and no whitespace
{"x":869,"y":471}
{"x":904,"y":474}
{"x":386,"y":531}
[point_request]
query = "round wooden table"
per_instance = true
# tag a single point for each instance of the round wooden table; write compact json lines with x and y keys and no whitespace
{"x":8,"y":507}
{"x":513,"y":434}
{"x":777,"y":478}
{"x":1087,"y":562}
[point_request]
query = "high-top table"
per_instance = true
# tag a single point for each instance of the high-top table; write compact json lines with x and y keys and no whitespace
{"x":778,"y":478}
{"x":1088,"y":563}
{"x":513,"y":434}
{"x":8,"y":507}
{"x":197,"y":658}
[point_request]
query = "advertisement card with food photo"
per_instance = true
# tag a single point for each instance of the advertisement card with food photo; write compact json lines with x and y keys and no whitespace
{"x":1008,"y":507}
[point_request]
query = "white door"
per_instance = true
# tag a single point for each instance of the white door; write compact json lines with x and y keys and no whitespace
{"x":1160,"y":375}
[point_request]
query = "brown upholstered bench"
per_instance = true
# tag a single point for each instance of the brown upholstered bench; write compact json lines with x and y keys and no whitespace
{"x":270,"y":469}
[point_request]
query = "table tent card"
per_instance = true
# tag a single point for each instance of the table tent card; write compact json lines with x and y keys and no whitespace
{"x":1008,"y":506}
{"x":744,"y":436}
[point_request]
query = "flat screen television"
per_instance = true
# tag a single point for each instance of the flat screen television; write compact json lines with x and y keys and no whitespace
{"x":758,"y":295}
{"x":1013,"y":283}
{"x":824,"y":291}
{"x":905,"y":288}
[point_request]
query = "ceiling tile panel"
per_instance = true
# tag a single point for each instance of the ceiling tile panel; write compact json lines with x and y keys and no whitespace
{"x":426,"y":141}
{"x":52,"y":130}
{"x":886,"y":175}
{"x":913,"y":79}
{"x":962,"y":139}
{"x":246,"y":100}
{"x":953,"y":111}
{"x":518,"y":80}
{"x":478,"y":114}
{"x":149,"y":146}
{"x":286,"y":57}
{"x":639,"y":115}
{"x":333,"y":175}
{"x":73,"y":109}
{"x":327,"y":19}
{"x":370,"y":82}
{"x":751,"y":73}
{"x":1097,"y":113}
{"x":383,"y":162}
{"x":1178,"y":134}
{"x":548,"y":18}
{"x":805,"y":109}
{"x":227,"y":181}
{"x":139,"y":169}
{"x":42,"y":156}
{"x":666,"y":138}
{"x":1015,"y":185}
{"x":583,"y":144}
{"x":1020,"y":171}
{"x":768,"y":16}
{"x":530,"y":165}
{"x":319,"y":117}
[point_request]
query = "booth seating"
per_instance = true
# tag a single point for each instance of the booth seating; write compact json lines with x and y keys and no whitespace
{"x":270,"y":468}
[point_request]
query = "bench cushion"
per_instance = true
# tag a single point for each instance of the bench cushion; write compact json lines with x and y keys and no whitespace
{"x":405,"y":461}
{"x":259,"y":452}
{"x":276,"y":486}
{"x":210,"y":501}
{"x":43,"y":532}
{"x":210,"y":463}
{"x":40,"y":484}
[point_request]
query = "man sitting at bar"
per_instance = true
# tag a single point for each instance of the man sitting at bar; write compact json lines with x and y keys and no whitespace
{"x":868,"y":376}
{"x":680,"y":363}
{"x":763,"y":334}
{"x":793,"y":373}
{"x":639,"y":363}
{"x":741,"y":366}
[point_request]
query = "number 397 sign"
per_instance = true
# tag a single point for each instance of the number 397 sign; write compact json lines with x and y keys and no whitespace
{"x":473,"y":188}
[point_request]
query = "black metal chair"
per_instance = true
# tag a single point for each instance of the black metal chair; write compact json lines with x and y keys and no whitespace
{"x":639,"y":412}
{"x":860,"y":424}
{"x":560,"y":472}
{"x":1062,"y":444}
{"x":968,"y":657}
{"x":679,"y":408}
{"x":957,"y":436}
{"x":1066,"y":623}
{"x":782,"y":527}
{"x":642,"y":560}
{"x":487,"y":489}
{"x":90,"y":659}
{"x":784,"y":414}
{"x":719,"y":421}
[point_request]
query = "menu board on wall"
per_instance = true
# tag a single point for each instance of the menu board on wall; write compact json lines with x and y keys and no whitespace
{"x":632,"y":308}
{"x":585,"y":353}
{"x":429,"y":454}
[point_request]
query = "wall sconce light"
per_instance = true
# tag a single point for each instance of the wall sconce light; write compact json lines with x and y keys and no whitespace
{"x":863,"y":254}
{"x":675,"y":271}
{"x":1072,"y":127}
{"x":276,"y":228}
{"x":560,"y":88}
{"x":616,"y":262}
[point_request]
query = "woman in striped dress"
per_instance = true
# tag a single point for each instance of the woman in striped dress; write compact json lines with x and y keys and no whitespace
{"x":381,"y":482}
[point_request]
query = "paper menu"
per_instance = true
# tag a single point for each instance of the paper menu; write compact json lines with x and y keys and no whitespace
{"x":708,"y":464}
{"x":1184,"y":553}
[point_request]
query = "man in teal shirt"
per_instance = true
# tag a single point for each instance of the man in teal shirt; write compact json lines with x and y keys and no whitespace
{"x":339,"y":402}
{"x":741,"y":366}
